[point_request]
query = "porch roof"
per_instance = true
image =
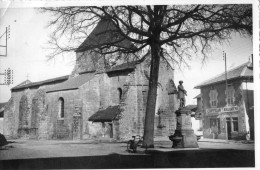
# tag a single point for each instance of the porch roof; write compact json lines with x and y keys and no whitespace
{"x":106,"y":115}
{"x":192,"y":108}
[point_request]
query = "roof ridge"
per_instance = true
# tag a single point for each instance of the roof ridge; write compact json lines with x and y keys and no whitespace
{"x":223,"y":73}
{"x":243,"y":72}
{"x":72,"y":83}
{"x":38,"y":82}
{"x":101,"y":35}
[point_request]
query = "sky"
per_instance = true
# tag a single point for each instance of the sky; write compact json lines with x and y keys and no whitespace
{"x":27,"y":54}
{"x":27,"y":49}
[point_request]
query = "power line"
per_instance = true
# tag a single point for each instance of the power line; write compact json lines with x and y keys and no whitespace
{"x":7,"y":36}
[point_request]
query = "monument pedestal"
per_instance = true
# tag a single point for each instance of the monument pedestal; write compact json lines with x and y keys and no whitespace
{"x":184,"y":136}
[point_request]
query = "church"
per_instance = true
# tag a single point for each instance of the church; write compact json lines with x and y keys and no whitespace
{"x":104,"y":97}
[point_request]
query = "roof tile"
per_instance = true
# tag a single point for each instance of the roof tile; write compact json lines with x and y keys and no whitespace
{"x":103,"y":35}
{"x":106,"y":115}
{"x":242,"y":71}
{"x":72,"y":83}
{"x":24,"y":85}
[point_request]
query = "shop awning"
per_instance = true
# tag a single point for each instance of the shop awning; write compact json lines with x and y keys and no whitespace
{"x":106,"y":115}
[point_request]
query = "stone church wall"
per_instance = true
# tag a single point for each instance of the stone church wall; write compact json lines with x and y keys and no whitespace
{"x":39,"y":116}
{"x":85,"y":62}
{"x":9,"y":120}
{"x":90,"y":95}
{"x":62,"y":128}
{"x":166,"y":105}
{"x":33,"y":126}
{"x":127,"y":88}
{"x":102,"y":92}
{"x":13,"y":119}
{"x":126,"y":81}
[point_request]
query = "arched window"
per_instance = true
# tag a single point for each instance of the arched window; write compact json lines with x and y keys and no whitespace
{"x":24,"y":112}
{"x":61,"y":107}
{"x":119,"y":94}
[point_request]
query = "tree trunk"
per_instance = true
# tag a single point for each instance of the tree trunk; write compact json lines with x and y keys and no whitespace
{"x":152,"y":96}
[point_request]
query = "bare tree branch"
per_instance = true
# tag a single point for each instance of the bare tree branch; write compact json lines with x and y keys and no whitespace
{"x":174,"y":33}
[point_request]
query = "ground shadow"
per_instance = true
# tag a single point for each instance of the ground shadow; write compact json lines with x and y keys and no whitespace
{"x":205,"y":158}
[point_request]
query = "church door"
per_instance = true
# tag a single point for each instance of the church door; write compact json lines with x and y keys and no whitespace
{"x":111,"y":130}
{"x":228,"y":128}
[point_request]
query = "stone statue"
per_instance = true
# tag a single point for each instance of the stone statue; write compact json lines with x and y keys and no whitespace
{"x":181,"y":94}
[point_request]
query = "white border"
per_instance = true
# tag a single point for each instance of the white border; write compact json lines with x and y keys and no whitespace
{"x":5,"y":4}
{"x":49,"y":3}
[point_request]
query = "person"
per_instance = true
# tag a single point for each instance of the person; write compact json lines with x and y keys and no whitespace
{"x":181,"y":93}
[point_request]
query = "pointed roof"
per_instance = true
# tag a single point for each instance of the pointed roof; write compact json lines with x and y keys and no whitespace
{"x":244,"y":72}
{"x":104,"y":34}
{"x":24,"y":83}
{"x":72,"y":83}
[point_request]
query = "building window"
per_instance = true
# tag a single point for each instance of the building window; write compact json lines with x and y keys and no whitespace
{"x":235,"y":124}
{"x":213,"y":95}
{"x":230,"y":95}
{"x":61,"y":107}
{"x":119,"y":94}
{"x":1,"y":114}
{"x":215,"y":125}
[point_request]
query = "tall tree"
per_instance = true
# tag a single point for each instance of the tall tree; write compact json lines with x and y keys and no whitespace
{"x":169,"y":32}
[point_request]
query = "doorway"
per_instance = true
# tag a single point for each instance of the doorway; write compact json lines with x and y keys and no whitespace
{"x":228,"y":128}
{"x":111,"y":130}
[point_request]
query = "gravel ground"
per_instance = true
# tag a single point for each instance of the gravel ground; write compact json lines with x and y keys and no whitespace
{"x":32,"y":154}
{"x":22,"y":149}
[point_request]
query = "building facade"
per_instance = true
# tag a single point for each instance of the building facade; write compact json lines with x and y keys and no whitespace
{"x":101,"y":98}
{"x":226,"y":112}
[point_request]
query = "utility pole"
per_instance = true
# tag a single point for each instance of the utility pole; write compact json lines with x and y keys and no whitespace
{"x":8,"y":77}
{"x":230,"y":117}
{"x":8,"y":74}
{"x":7,"y":36}
{"x":225,"y":58}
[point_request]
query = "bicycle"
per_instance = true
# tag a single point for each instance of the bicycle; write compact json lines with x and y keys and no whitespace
{"x":137,"y":141}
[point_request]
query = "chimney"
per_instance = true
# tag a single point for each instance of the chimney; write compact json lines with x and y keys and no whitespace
{"x":252,"y":60}
{"x":251,"y":64}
